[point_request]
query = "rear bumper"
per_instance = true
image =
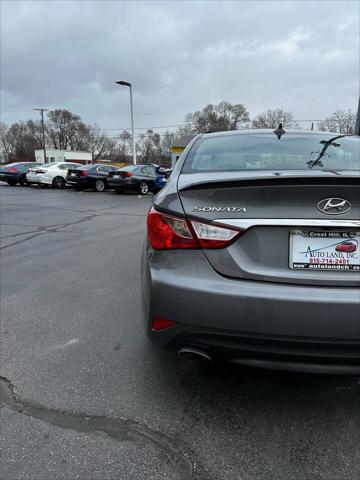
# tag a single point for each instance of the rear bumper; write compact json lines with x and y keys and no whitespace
{"x":256,"y":323}
{"x":9,"y":177}
{"x":121,"y":184}
{"x":278,"y":353}
{"x":34,"y":179}
{"x":81,"y":182}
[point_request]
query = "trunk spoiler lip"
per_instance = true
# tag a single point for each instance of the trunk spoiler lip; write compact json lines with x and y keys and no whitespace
{"x":246,"y":223}
{"x":187,"y":181}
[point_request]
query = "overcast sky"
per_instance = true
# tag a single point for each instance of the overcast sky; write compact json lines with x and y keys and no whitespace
{"x":301,"y":56}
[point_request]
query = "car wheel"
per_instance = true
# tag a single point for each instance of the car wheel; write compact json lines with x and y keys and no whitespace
{"x":58,"y":182}
{"x":99,"y":185}
{"x":22,"y":180}
{"x":143,"y":188}
{"x":11,"y":183}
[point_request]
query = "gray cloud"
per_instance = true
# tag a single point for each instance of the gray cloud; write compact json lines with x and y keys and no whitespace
{"x":302,"y":56}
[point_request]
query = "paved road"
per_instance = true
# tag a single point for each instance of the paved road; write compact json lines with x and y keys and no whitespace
{"x":86,"y":396}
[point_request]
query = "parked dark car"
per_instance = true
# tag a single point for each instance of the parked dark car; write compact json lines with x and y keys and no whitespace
{"x":160,"y":180}
{"x":90,"y":176}
{"x":14,"y":173}
{"x":139,"y":178}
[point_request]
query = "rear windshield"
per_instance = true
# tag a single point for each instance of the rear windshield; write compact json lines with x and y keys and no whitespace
{"x":264,"y":151}
{"x":49,"y":165}
{"x":129,"y":168}
{"x":85,"y":167}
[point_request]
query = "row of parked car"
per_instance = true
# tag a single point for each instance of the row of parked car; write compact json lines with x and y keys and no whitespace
{"x":139,"y":178}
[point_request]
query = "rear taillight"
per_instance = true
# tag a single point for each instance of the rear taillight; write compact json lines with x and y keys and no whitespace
{"x":12,"y":169}
{"x":40,"y":171}
{"x":211,"y":236}
{"x":127,"y":174}
{"x":84,"y":173}
{"x":166,"y":232}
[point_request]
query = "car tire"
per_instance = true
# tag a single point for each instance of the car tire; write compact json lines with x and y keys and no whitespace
{"x":58,"y":182}
{"x":11,"y":183}
{"x":143,"y":188}
{"x":22,"y":180}
{"x":100,"y":185}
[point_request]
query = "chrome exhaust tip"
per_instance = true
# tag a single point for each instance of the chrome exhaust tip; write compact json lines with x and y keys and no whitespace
{"x":191,"y":353}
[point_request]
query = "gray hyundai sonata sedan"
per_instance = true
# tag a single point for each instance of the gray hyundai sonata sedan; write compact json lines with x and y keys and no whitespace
{"x":252,"y":252}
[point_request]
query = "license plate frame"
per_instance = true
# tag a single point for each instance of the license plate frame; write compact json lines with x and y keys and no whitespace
{"x":315,"y":250}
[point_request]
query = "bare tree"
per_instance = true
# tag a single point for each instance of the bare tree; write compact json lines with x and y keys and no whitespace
{"x":271,"y":118}
{"x":341,"y":121}
{"x":35,"y":132}
{"x":62,"y":127}
{"x":214,"y":118}
{"x":18,"y":142}
{"x":100,"y":145}
{"x":125,"y":145}
{"x":5,"y":149}
{"x":149,"y":147}
{"x":167,"y":142}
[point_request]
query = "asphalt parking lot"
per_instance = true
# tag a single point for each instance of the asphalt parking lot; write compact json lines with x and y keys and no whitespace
{"x":84,"y":394}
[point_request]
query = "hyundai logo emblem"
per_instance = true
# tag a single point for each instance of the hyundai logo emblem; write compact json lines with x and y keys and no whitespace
{"x":334,"y":206}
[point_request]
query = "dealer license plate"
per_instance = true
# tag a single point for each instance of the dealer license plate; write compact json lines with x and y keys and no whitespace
{"x":116,"y":176}
{"x":314,"y":250}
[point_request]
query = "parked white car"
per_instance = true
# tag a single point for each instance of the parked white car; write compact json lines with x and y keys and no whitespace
{"x":50,"y":174}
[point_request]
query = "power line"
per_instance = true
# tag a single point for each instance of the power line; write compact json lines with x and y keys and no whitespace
{"x":148,"y":128}
{"x":103,"y":113}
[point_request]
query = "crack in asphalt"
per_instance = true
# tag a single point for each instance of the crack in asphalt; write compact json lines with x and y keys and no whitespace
{"x":44,"y":229}
{"x":117,"y":428}
{"x":47,"y":229}
{"x":99,"y":212}
{"x":41,"y":229}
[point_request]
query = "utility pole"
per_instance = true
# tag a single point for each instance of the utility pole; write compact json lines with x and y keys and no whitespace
{"x":357,"y":124}
{"x":42,"y":110}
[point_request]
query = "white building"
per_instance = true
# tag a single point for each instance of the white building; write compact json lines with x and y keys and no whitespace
{"x":55,"y":155}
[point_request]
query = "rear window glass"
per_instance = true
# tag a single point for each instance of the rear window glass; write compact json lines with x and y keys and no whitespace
{"x":265,"y":151}
{"x":49,"y":165}
{"x":85,"y":167}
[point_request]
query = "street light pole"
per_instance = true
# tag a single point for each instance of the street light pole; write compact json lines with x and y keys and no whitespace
{"x":42,"y":110}
{"x":357,"y":124}
{"x":128,"y":84}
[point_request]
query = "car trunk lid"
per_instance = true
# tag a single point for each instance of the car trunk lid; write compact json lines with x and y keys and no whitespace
{"x":280,"y":216}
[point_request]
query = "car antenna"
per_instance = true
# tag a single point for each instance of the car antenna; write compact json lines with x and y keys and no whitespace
{"x":279,"y":132}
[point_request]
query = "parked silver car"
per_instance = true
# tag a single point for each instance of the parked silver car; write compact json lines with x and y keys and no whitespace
{"x":252,"y":252}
